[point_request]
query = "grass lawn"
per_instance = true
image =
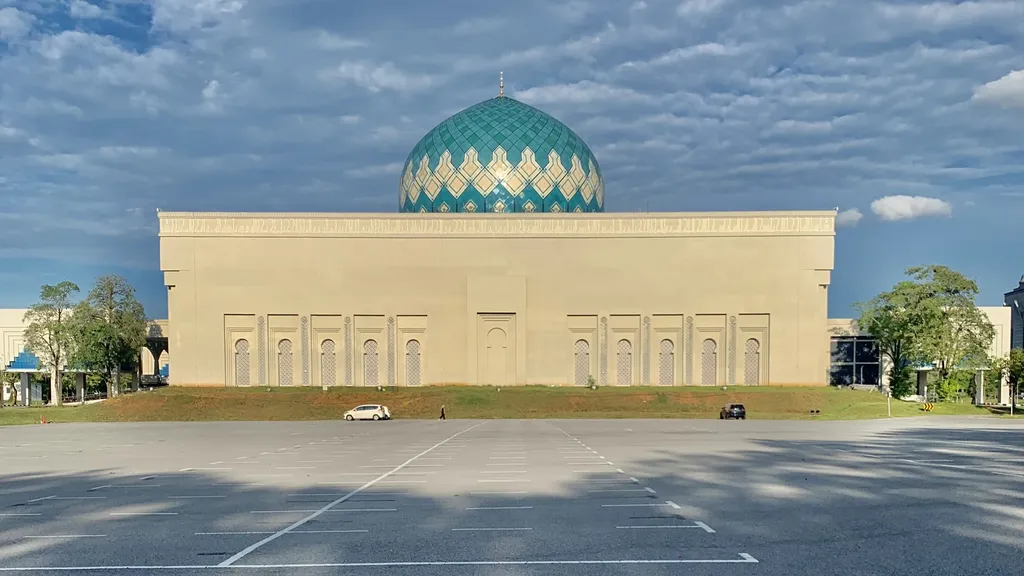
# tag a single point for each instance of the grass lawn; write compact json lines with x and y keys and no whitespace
{"x":205,"y":404}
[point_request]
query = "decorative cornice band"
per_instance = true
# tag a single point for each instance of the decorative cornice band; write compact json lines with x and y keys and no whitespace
{"x":297,"y":225}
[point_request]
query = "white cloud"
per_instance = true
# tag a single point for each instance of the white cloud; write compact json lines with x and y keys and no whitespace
{"x":186,"y":15}
{"x":910,"y":207}
{"x":678,"y":55}
{"x":584,"y":92}
{"x":378,"y":77}
{"x":848,"y":218}
{"x":722,"y":108}
{"x":84,"y":10}
{"x":14,"y":24}
{"x":328,"y":41}
{"x":1007,"y":91}
{"x":691,"y":8}
{"x":938,"y":15}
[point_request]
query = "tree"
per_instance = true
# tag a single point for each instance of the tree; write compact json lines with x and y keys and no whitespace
{"x":111,"y":326}
{"x":954,"y":334}
{"x":1011,"y":366}
{"x":893,"y":319}
{"x":49,"y":333}
{"x":9,"y":379}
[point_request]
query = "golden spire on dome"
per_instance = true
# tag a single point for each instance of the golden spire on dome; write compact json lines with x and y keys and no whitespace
{"x":501,"y":84}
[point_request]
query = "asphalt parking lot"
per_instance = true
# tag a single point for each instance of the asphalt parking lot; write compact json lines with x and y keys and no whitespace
{"x":935,"y":496}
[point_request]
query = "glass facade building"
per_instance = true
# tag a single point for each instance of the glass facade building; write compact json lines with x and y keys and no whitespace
{"x":855,"y":360}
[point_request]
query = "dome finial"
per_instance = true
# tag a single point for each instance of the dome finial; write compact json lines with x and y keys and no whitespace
{"x":501,"y":84}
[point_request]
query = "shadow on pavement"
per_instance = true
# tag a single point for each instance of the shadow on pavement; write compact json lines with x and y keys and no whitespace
{"x":917,"y":501}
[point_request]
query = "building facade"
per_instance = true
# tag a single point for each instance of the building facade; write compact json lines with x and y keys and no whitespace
{"x":854,"y":357}
{"x":559,"y":299}
{"x":1014,"y":300}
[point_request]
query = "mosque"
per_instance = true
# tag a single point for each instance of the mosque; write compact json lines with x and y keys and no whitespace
{"x":500,"y":267}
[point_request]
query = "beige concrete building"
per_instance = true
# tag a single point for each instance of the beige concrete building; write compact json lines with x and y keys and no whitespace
{"x":499,"y":299}
{"x":854,"y":357}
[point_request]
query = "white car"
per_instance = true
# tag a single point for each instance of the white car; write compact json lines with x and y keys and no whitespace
{"x":368,"y":412}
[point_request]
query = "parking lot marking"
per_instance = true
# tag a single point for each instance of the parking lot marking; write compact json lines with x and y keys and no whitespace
{"x":410,"y":466}
{"x":193,"y":497}
{"x":489,"y":529}
{"x":41,"y":499}
{"x":503,"y":471}
{"x":705,"y":527}
{"x":62,"y":536}
{"x":633,"y":480}
{"x":632,"y":505}
{"x":507,"y":458}
{"x":229,"y":533}
{"x":672,"y":504}
{"x":143,"y":513}
{"x":329,"y":531}
{"x":619,"y":490}
{"x":4,"y":515}
{"x":655,"y":527}
{"x":79,"y":498}
{"x":744,"y":558}
{"x":651,"y":490}
{"x":245,"y":552}
{"x":505,"y":480}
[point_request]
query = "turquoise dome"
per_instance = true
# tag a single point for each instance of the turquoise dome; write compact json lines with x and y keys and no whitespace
{"x":501,"y":156}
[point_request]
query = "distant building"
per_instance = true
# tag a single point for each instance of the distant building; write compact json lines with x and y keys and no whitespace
{"x":854,"y":357}
{"x":1014,"y":300}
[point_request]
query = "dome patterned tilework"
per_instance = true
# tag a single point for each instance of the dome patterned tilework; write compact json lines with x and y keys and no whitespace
{"x":501,"y":156}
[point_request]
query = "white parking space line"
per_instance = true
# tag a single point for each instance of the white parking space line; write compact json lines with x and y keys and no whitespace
{"x":632,"y":505}
{"x":143,"y":513}
{"x":672,"y":504}
{"x":498,"y":493}
{"x":619,"y":490}
{"x":504,"y":464}
{"x":507,"y":458}
{"x":490,"y":529}
{"x":503,"y":471}
{"x":5,"y":515}
{"x":229,"y":533}
{"x":508,"y":481}
{"x":62,"y":536}
{"x":409,"y":466}
{"x":651,"y":490}
{"x":744,"y":558}
{"x":705,"y":527}
{"x":332,"y":511}
{"x":245,"y":552}
{"x":295,"y":468}
{"x":655,"y":527}
{"x":328,"y":531}
{"x":499,"y":508}
{"x":193,"y":497}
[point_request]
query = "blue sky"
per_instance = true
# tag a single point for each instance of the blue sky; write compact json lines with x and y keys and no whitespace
{"x":906,"y":115}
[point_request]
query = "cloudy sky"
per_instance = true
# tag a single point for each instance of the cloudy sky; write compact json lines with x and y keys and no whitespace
{"x":906,"y":115}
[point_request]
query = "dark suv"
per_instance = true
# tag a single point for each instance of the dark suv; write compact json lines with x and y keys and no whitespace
{"x":730,"y":411}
